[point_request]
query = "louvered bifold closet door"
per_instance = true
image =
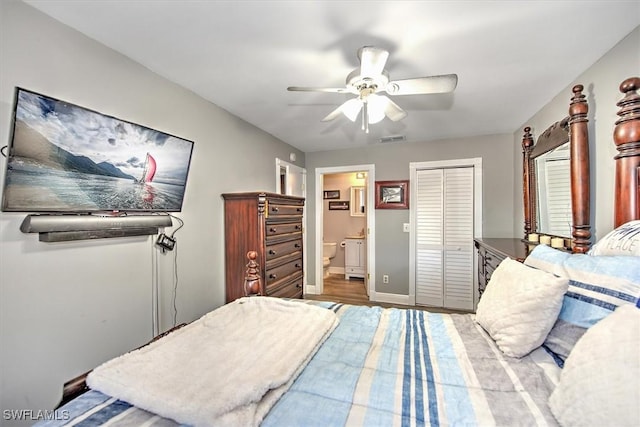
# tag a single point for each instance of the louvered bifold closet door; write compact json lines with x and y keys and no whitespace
{"x":429,"y":237}
{"x":444,"y":238}
{"x":458,"y":241}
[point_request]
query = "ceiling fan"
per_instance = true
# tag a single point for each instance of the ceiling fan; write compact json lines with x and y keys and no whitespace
{"x":368,"y":81}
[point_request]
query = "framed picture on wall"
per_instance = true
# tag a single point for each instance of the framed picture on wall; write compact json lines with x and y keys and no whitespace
{"x":392,"y":194}
{"x":332,"y":194}
{"x":339,"y":206}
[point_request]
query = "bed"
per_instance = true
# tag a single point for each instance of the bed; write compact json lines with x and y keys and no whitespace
{"x":536,"y":352}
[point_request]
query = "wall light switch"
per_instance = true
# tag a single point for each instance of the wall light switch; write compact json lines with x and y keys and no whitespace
{"x":406,"y":227}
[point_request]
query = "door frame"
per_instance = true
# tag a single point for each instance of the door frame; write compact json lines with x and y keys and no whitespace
{"x":371,"y":221}
{"x":476,"y":163}
{"x":281,"y":164}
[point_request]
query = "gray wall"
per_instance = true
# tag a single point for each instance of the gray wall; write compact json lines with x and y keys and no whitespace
{"x":392,"y":163}
{"x":66,"y":307}
{"x":601,"y":87}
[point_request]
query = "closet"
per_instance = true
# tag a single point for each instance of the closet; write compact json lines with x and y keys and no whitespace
{"x":444,"y":250}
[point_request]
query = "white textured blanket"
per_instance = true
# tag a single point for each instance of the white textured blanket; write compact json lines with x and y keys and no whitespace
{"x":227,"y":368}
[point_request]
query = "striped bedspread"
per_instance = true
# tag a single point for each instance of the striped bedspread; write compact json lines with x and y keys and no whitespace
{"x":383,"y":367}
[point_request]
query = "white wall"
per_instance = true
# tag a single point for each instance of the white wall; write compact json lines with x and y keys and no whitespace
{"x":66,"y":307}
{"x":601,"y":84}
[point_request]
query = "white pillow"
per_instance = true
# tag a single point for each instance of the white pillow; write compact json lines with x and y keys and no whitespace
{"x":519,"y":306}
{"x":599,"y":383}
{"x":624,"y":240}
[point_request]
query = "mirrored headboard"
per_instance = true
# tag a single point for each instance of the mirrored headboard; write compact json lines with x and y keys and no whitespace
{"x":555,"y":174}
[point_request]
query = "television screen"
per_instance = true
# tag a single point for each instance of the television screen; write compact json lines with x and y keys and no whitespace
{"x":66,"y":158}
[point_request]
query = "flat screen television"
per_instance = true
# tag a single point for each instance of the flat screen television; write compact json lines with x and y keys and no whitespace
{"x":66,"y":158}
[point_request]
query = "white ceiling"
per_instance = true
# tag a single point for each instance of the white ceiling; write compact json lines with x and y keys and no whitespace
{"x":511,"y":57}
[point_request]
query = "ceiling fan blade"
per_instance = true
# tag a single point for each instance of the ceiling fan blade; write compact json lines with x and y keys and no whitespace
{"x":351,"y":109}
{"x":320,"y":89}
{"x":372,"y":61}
{"x":423,"y":85}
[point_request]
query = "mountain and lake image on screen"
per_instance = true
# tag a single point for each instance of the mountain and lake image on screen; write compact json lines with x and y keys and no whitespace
{"x":66,"y":158}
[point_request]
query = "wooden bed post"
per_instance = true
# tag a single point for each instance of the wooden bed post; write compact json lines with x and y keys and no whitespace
{"x":252,"y":282}
{"x":527,"y":180}
{"x":626,"y":136}
{"x":580,"y":187}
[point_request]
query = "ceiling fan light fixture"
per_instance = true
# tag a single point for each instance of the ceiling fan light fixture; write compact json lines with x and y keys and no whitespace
{"x":352,"y":108}
{"x":376,"y":106}
{"x":370,"y":79}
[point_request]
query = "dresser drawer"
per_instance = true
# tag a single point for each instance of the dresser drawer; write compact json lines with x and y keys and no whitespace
{"x":283,"y":272}
{"x":279,"y":229}
{"x":275,"y":210}
{"x":492,"y":260}
{"x":281,"y":249}
{"x":287,"y":288}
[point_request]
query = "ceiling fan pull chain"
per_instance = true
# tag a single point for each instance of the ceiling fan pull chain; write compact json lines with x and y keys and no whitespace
{"x":365,"y":117}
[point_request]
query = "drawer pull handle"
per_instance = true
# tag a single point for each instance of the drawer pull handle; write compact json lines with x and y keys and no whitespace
{"x":274,"y":209}
{"x":272,"y":229}
{"x":272,"y":252}
{"x":298,"y":285}
{"x":272,"y":276}
{"x":297,"y":265}
{"x":298,"y":227}
{"x":297,"y":245}
{"x":299,"y":209}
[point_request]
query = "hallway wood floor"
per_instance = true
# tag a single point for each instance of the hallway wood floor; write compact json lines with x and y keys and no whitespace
{"x":337,"y":289}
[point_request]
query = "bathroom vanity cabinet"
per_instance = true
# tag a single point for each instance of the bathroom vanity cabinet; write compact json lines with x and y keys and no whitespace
{"x":355,"y":258}
{"x":271,"y":225}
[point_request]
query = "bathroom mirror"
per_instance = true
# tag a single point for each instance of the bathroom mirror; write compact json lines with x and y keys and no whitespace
{"x":358,"y":201}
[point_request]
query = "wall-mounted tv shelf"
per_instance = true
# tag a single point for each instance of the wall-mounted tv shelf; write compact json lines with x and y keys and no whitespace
{"x":65,"y":227}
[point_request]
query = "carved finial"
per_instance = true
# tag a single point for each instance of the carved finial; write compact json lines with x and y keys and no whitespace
{"x":578,"y":107}
{"x":252,"y":277}
{"x":527,"y":138}
{"x":630,"y":85}
{"x":629,"y":104}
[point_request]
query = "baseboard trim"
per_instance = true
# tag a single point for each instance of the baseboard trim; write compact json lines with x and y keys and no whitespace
{"x":391,"y":298}
{"x":336,"y":270}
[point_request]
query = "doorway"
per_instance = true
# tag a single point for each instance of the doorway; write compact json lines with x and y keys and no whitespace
{"x":322,"y":209}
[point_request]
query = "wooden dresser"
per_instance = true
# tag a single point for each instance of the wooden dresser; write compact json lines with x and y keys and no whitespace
{"x":492,"y":251}
{"x":271,"y":225}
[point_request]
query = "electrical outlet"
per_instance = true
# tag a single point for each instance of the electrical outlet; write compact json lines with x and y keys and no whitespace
{"x":385,"y":278}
